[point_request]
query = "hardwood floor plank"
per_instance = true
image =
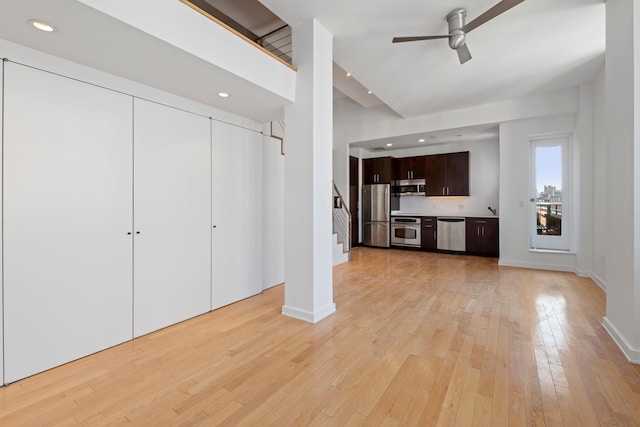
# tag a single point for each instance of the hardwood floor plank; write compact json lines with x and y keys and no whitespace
{"x":418,"y":339}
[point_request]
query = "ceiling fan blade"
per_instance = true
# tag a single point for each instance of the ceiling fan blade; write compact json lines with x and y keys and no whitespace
{"x":463,"y":53}
{"x":418,"y":38}
{"x":496,"y":10}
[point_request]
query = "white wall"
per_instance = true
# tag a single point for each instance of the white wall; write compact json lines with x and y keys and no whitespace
{"x":515,"y":192}
{"x":340,"y":151}
{"x":622,"y":121}
{"x":273,"y":218}
{"x":308,"y":172}
{"x":599,"y":272}
{"x":583,"y":181}
{"x":169,"y":20}
{"x":61,"y":66}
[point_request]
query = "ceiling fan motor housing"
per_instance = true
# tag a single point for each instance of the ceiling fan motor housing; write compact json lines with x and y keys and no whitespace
{"x":456,"y":22}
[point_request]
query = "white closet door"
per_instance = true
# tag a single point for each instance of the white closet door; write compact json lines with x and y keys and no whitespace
{"x":67,"y":210}
{"x":1,"y":174}
{"x":237,"y":214}
{"x":172,"y":214}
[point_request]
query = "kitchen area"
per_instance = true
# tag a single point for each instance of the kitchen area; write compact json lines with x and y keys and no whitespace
{"x":442,"y":202}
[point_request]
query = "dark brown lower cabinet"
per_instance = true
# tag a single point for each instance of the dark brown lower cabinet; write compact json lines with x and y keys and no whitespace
{"x":429,"y":235}
{"x":482,"y":236}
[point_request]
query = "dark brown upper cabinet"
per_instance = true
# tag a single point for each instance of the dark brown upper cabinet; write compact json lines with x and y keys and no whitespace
{"x":447,"y":174}
{"x":377,"y":170}
{"x":409,"y":167}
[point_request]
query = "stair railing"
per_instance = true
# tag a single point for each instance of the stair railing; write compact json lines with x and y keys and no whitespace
{"x":341,"y":220}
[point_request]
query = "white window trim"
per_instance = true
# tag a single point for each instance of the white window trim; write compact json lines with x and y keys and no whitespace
{"x":567,"y":194}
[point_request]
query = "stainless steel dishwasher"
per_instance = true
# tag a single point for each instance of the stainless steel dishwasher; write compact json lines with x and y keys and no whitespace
{"x":451,"y":233}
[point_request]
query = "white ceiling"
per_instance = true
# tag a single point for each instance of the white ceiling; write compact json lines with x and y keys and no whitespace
{"x":538,"y":46}
{"x":466,"y":134}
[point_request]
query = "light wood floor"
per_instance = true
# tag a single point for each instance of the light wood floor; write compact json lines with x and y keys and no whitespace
{"x":418,"y":339}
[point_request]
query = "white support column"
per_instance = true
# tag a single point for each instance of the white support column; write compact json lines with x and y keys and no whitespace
{"x":622,"y":119}
{"x":308,"y":175}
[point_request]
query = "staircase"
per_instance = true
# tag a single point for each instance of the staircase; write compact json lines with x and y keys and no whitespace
{"x":341,"y":229}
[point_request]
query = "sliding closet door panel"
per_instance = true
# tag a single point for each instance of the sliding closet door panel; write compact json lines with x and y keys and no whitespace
{"x":1,"y":174}
{"x":172,"y":212}
{"x":67,"y":211}
{"x":237,"y":214}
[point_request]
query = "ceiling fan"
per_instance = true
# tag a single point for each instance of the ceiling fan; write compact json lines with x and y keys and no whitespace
{"x":458,"y":29}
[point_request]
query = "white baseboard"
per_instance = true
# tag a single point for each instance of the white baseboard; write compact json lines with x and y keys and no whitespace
{"x":509,"y":263}
{"x":582,"y":273}
{"x":598,"y":280}
{"x":308,"y":316}
{"x":632,"y":354}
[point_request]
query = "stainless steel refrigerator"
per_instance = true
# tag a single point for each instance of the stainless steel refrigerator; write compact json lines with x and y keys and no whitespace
{"x":377,"y":203}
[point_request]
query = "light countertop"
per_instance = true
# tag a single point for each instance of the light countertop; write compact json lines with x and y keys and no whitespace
{"x":436,"y":214}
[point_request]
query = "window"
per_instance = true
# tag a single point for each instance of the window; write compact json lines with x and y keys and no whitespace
{"x":551,"y":192}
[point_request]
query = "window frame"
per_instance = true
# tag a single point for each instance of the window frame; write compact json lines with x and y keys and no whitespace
{"x":564,"y":242}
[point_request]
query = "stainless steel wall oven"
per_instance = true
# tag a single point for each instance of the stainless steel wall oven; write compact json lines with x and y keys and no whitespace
{"x":405,"y":231}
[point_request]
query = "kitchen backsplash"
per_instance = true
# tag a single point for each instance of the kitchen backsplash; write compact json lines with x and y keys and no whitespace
{"x":448,"y":205}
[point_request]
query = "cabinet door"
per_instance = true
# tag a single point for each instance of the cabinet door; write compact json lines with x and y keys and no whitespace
{"x":385,"y":170}
{"x":377,"y":170}
{"x":429,"y":233}
{"x":402,"y":168}
{"x":67,"y":212}
{"x":482,"y":236}
{"x":435,"y":174}
{"x":457,"y":174}
{"x":474,"y":236}
{"x":237,"y":214}
{"x":490,"y":238}
{"x":369,"y":171}
{"x":172,"y":151}
{"x":419,"y":167}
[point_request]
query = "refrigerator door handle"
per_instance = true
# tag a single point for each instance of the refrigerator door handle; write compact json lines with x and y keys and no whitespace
{"x":386,"y":203}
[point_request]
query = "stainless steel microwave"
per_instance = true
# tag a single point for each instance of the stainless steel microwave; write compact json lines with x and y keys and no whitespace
{"x":409,"y":187}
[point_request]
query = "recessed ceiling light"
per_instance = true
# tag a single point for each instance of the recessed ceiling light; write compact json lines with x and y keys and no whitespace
{"x":421,"y":140}
{"x":42,"y":26}
{"x":223,"y":94}
{"x":348,"y":74}
{"x":389,"y":144}
{"x":369,"y":92}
